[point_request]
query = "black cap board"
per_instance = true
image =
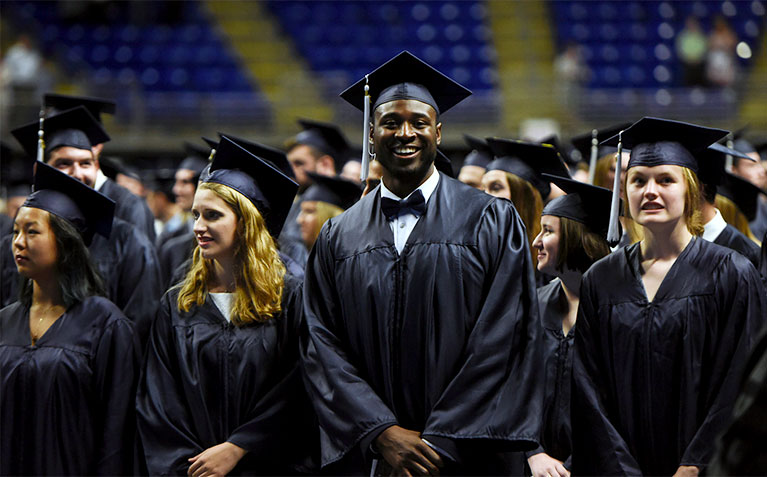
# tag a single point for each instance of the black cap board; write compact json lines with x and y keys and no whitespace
{"x":527,"y":160}
{"x":196,"y":158}
{"x":444,"y":164}
{"x":656,"y":141}
{"x":326,"y":137}
{"x":742,"y":192}
{"x":75,"y":127}
{"x":405,"y":76}
{"x":95,"y":106}
{"x":86,"y":209}
{"x":271,"y":191}
{"x":712,"y":162}
{"x":480,"y":154}
{"x":582,"y":142}
{"x":584,"y":203}
{"x":333,"y":190}
{"x":276,"y":157}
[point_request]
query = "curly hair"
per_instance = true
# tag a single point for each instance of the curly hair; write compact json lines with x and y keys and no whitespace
{"x":259,"y":278}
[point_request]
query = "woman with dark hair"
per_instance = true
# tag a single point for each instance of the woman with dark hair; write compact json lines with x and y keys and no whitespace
{"x":221,"y":391}
{"x":572,"y":238}
{"x":664,"y":325}
{"x":68,"y":356}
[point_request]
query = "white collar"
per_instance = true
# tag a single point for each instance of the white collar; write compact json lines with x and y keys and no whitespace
{"x":426,"y":188}
{"x":714,"y":227}
{"x":100,"y":180}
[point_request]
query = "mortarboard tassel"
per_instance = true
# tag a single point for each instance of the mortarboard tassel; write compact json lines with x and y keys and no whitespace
{"x":728,"y":157}
{"x":365,"y":134}
{"x":613,"y":231}
{"x":212,"y":155}
{"x":593,"y":158}
{"x":40,"y":140}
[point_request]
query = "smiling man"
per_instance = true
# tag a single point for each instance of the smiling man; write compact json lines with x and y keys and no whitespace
{"x":420,"y":302}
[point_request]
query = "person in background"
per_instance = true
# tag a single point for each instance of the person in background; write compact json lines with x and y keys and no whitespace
{"x":476,"y":161}
{"x":755,"y":173}
{"x":130,"y":208}
{"x":326,"y":198}
{"x":127,"y":259}
{"x":573,"y":237}
{"x":69,"y":356}
{"x":691,"y":48}
{"x":221,"y":391}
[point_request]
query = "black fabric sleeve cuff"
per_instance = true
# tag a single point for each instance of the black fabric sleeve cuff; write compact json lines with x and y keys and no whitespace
{"x":533,"y":452}
{"x":445,"y":446}
{"x":366,"y":443}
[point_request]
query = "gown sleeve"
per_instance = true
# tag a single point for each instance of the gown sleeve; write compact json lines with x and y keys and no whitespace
{"x":163,"y":419}
{"x":598,"y":447}
{"x":742,"y":313}
{"x":496,"y":393}
{"x":334,"y":384}
{"x":140,"y":283}
{"x":116,"y":368}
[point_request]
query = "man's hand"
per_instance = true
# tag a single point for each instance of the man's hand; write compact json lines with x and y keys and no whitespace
{"x":687,"y":471}
{"x":215,"y":461}
{"x":543,"y":465}
{"x":407,"y":453}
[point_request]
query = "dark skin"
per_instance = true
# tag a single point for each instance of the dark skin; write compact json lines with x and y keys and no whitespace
{"x":405,"y":137}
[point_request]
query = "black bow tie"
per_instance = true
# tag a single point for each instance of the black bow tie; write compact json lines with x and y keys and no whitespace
{"x":415,"y":204}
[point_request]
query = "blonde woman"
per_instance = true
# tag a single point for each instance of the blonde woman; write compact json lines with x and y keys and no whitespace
{"x":664,"y":325}
{"x":221,"y":392}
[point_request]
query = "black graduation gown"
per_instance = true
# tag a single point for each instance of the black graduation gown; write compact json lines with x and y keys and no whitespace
{"x":733,"y":239}
{"x":440,"y":339}
{"x":130,"y":208}
{"x":67,"y":403}
{"x":763,"y":260}
{"x":174,"y":253}
{"x":558,"y":366}
{"x":207,"y":381}
{"x":654,"y":383}
{"x":127,"y":262}
{"x":181,"y":228}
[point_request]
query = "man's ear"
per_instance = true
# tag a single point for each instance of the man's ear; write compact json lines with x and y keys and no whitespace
{"x":439,"y":133}
{"x":96,"y":150}
{"x":326,"y":165}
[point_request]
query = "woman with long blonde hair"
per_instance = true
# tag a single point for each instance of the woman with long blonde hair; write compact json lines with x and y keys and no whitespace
{"x":221,"y":391}
{"x":664,"y":325}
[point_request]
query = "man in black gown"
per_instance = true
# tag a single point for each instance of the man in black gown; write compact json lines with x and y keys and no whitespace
{"x":127,"y":260}
{"x":422,"y":313}
{"x":129,"y":207}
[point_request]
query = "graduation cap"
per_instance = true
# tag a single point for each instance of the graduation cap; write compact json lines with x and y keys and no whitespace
{"x":712,"y":163}
{"x":276,"y":157}
{"x":75,"y":127}
{"x":88,"y":210}
{"x":742,"y":192}
{"x":404,"y":76}
{"x":584,"y":203}
{"x":333,"y":190}
{"x":196,"y":157}
{"x":655,"y":142}
{"x":95,"y":106}
{"x":588,"y":145}
{"x":270,"y":190}
{"x":326,"y":137}
{"x":480,"y":154}
{"x":527,"y":160}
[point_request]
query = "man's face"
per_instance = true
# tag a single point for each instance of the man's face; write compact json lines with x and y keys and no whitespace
{"x":74,"y":162}
{"x":754,"y":172}
{"x":302,"y":159}
{"x":405,"y":136}
{"x":184,"y":188}
{"x":472,"y":175}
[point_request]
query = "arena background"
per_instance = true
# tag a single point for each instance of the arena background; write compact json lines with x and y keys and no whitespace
{"x":179,"y":70}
